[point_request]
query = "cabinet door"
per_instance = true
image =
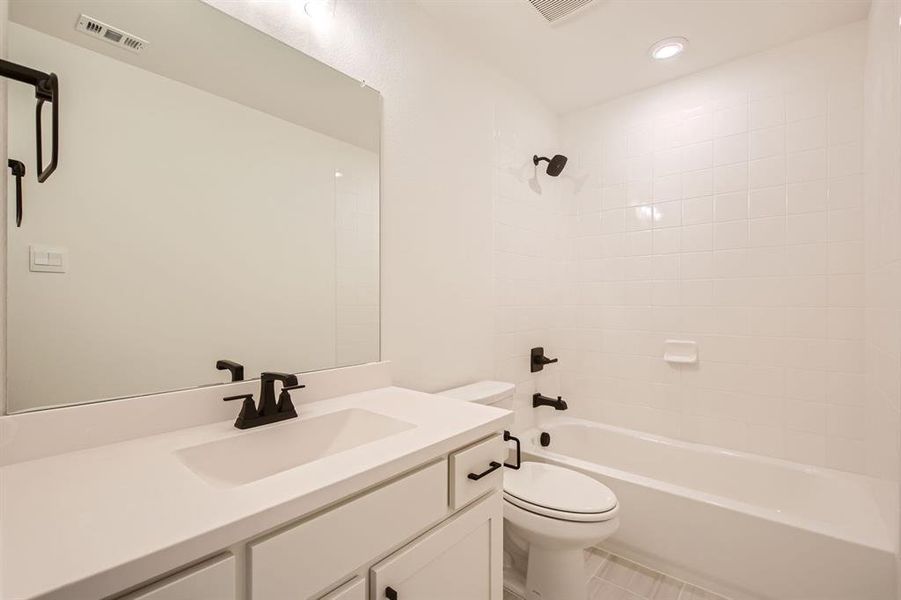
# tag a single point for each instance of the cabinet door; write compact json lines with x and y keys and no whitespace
{"x":462,"y":559}
{"x":354,"y":589}
{"x":212,"y":580}
{"x":302,"y":561}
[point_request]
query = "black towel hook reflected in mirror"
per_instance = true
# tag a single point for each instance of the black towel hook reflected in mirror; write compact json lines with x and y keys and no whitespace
{"x":46,"y":89}
{"x":17,"y":168}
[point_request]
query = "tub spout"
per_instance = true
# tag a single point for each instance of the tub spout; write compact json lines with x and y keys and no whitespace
{"x":539,"y":400}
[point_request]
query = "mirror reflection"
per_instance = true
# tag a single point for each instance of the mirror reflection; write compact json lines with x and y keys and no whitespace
{"x":216,"y":198}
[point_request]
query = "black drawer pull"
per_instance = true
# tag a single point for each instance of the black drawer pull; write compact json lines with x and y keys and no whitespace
{"x":494,"y":467}
{"x":390,"y":593}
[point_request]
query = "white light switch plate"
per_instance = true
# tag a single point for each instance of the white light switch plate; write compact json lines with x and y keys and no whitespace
{"x":44,"y":259}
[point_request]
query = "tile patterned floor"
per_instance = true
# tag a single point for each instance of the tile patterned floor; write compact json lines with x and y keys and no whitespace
{"x":611,"y":577}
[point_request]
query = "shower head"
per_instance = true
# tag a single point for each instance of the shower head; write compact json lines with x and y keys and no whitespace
{"x":554,"y":165}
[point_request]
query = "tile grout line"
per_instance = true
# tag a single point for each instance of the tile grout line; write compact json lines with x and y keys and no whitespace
{"x":683,"y":583}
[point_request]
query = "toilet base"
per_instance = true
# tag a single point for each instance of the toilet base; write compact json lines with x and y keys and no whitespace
{"x":556,"y":574}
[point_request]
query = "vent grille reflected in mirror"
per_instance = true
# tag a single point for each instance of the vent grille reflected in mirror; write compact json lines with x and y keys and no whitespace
{"x":107,"y":33}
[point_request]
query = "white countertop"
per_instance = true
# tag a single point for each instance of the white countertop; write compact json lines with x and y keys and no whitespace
{"x":90,"y":523}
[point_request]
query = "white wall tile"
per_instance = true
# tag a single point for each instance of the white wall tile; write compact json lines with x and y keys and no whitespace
{"x":767,"y":142}
{"x":768,"y":202}
{"x":746,"y":233}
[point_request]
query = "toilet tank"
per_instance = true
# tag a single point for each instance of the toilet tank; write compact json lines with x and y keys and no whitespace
{"x":495,"y":393}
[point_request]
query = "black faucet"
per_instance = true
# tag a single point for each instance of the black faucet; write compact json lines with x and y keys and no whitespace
{"x":269,"y":411}
{"x":539,"y":400}
{"x":236,"y":369}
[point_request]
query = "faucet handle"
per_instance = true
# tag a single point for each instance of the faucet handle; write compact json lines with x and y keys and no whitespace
{"x":285,"y":405}
{"x":248,"y":410}
{"x":238,"y":397}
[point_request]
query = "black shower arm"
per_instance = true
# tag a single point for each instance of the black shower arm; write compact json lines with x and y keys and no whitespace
{"x":46,"y":89}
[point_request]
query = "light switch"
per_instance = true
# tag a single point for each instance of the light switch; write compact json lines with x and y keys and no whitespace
{"x":43,"y":259}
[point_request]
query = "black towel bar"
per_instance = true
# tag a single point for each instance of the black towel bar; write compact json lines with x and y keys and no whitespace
{"x":46,"y":89}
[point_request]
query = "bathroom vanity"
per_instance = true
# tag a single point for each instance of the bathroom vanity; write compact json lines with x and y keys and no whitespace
{"x":380,"y":493}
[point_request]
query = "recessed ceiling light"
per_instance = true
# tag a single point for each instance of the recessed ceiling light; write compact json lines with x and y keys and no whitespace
{"x":668,"y":48}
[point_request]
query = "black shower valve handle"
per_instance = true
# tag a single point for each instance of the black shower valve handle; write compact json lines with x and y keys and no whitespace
{"x":539,"y":360}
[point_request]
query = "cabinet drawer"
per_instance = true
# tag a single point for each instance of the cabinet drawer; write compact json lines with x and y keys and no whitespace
{"x":307,"y":558}
{"x":352,"y":590}
{"x":476,"y":460}
{"x":211,"y":580}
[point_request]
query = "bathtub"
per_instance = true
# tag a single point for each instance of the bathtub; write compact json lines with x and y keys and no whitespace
{"x":742,"y":525}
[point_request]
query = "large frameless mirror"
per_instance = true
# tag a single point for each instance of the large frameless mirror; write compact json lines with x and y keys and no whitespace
{"x":216,"y":199}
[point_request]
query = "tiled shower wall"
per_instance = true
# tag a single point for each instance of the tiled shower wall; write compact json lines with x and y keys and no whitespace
{"x":530,"y":251}
{"x":357,"y":258}
{"x":882,"y":193}
{"x":725,"y":208}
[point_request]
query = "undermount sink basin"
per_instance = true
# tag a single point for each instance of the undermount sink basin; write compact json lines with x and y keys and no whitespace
{"x":275,"y":448}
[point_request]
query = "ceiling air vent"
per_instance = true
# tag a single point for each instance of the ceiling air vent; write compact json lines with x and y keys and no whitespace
{"x":116,"y":37}
{"x":557,"y":10}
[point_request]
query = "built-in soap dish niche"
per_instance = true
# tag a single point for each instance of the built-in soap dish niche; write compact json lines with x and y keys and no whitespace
{"x":680,"y":352}
{"x":117,"y":37}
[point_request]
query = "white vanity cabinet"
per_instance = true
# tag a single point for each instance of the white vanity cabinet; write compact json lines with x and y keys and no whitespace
{"x":211,"y":580}
{"x":457,"y":555}
{"x":434,"y":533}
{"x":355,"y":589}
{"x":315,"y":554}
{"x":459,"y":559}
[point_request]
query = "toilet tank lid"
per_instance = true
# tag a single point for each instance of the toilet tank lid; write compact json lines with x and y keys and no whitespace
{"x":483,"y":392}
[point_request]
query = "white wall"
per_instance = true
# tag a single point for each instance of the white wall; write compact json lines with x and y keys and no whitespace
{"x":726,"y":207}
{"x":4,"y":13}
{"x":197,"y":229}
{"x":882,"y":194}
{"x":441,"y":108}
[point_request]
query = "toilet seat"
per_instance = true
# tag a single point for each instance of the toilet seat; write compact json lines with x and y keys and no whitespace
{"x":559,"y":493}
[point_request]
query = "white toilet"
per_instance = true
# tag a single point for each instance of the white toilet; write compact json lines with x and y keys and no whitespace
{"x":555,"y":512}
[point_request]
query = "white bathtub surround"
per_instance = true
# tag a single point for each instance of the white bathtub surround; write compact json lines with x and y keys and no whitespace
{"x":70,"y":524}
{"x":726,"y":208}
{"x":529,"y":218}
{"x":838,"y":528}
{"x":882,"y":192}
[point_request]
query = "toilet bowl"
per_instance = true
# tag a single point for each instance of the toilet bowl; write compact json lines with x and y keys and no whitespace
{"x":554,"y":512}
{"x":558,"y":513}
